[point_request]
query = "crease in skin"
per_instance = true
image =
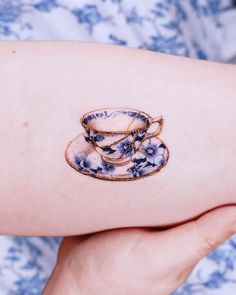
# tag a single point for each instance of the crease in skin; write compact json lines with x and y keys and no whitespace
{"x":195,"y":217}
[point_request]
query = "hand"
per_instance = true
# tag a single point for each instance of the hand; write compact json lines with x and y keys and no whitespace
{"x":138,"y":261}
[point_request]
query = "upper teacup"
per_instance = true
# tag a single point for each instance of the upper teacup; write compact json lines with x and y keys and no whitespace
{"x":117,"y":133}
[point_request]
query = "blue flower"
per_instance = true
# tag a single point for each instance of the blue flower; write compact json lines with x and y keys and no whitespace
{"x":150,"y":151}
{"x":160,"y":10}
{"x":126,"y":148}
{"x":82,"y":163}
{"x":9,"y":12}
{"x":107,"y":167}
{"x":46,"y":5}
{"x":89,"y":15}
{"x":134,"y":17}
{"x":136,"y":170}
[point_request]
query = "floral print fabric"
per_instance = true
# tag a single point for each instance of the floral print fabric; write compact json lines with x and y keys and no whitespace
{"x":201,"y":29}
{"x":196,"y":28}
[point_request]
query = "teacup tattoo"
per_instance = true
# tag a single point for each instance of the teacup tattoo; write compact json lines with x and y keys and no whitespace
{"x":116,"y":145}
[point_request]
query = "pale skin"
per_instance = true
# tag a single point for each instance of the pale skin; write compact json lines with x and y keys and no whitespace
{"x":47,"y":86}
{"x":137,"y":261}
{"x":45,"y":89}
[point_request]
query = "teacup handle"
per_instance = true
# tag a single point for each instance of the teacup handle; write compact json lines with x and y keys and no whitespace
{"x":158,"y":120}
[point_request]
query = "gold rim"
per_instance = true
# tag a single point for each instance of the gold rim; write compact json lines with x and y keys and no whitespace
{"x":116,"y":132}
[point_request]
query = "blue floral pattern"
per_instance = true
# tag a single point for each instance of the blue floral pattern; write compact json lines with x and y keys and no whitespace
{"x":194,"y":28}
{"x":90,"y":16}
{"x":214,"y":274}
{"x":170,"y":26}
{"x":150,"y":157}
{"x":151,"y":150}
{"x":126,"y":148}
{"x":26,"y":263}
{"x":125,"y":141}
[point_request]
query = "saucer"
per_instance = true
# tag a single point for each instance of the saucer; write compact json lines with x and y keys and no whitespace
{"x":151,"y":156}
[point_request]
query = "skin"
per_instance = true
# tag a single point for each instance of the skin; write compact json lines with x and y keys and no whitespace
{"x":47,"y":86}
{"x":137,"y":261}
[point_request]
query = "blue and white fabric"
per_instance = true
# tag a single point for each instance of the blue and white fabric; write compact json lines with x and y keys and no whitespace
{"x":203,"y":29}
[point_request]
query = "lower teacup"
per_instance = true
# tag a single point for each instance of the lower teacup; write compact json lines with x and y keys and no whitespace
{"x":116,"y":133}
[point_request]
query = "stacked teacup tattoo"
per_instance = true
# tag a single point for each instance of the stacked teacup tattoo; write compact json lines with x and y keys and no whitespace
{"x":116,"y":145}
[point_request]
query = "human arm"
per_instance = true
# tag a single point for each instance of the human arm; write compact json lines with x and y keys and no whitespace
{"x":47,"y":86}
